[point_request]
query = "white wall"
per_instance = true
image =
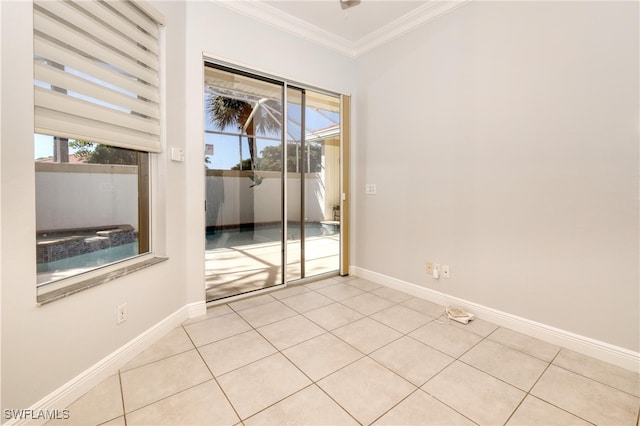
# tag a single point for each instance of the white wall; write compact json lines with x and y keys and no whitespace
{"x":1,"y":203}
{"x":503,"y":139}
{"x":220,"y":33}
{"x":44,"y":347}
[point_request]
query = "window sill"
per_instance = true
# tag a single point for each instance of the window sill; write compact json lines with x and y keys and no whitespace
{"x":43,"y":299}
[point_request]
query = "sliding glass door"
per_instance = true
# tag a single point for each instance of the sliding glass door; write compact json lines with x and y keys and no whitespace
{"x":321,"y":188}
{"x":272,"y":182}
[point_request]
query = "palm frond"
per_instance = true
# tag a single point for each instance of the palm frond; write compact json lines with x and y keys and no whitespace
{"x":225,"y":111}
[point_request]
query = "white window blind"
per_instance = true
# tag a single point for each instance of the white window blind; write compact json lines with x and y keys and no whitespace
{"x":96,"y":72}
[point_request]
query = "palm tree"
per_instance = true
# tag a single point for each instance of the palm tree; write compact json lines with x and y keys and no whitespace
{"x":260,"y":118}
{"x":249,"y":119}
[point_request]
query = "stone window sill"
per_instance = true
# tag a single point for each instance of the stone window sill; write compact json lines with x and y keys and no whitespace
{"x":49,"y":297}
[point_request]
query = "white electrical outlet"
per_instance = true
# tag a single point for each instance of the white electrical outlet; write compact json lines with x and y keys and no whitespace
{"x":121,"y":313}
{"x":436,"y":270}
{"x":445,"y":271}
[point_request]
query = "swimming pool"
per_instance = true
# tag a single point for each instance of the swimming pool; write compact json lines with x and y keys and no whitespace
{"x":234,"y":237}
{"x":86,"y":261}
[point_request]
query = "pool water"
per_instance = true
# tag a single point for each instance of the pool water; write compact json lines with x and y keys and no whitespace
{"x":91,"y":260}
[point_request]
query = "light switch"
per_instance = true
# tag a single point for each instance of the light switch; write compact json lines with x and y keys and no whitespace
{"x":370,"y":189}
{"x":177,"y":154}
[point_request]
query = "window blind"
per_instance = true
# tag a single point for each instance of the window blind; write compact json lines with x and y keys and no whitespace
{"x":96,"y":72}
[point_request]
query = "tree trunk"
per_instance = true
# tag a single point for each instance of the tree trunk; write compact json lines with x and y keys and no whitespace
{"x":252,"y":146}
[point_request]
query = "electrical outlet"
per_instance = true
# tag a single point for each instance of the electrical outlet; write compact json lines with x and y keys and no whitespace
{"x":121,"y":313}
{"x":436,"y":271}
{"x":445,"y":271}
{"x":429,"y":267}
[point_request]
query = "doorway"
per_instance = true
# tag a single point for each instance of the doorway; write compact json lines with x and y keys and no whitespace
{"x":272,"y":173}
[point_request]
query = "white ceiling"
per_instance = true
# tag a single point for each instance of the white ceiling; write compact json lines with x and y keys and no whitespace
{"x":351,"y":24}
{"x":351,"y":31}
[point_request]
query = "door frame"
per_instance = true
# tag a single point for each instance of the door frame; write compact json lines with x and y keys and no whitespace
{"x":344,"y":170}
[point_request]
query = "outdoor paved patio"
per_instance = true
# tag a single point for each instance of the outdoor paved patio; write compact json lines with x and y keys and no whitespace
{"x":245,"y":268}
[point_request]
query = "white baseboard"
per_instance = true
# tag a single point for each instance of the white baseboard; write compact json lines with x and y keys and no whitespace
{"x":109,"y":365}
{"x":196,"y":309}
{"x":615,"y":355}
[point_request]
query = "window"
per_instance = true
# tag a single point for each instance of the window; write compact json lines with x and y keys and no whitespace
{"x":97,"y":118}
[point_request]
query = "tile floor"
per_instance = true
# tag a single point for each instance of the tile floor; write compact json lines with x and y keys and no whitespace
{"x":346,"y":351}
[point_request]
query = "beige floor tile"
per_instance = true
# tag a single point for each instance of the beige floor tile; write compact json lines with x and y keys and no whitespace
{"x":333,"y":316}
{"x":366,"y":303}
{"x":250,"y":302}
{"x":527,"y":344}
{"x":534,"y":412}
{"x":322,"y":283}
{"x":340,"y":291}
{"x":309,"y":406}
{"x":364,"y":285}
{"x":366,"y":334}
{"x":290,"y":291}
{"x":212,"y":312}
{"x":258,"y":385}
{"x":151,"y":382}
{"x":291,"y":331}
{"x":204,"y":404}
{"x":119,"y":421}
{"x":173,"y":343}
{"x":366,"y":389}
{"x":268,"y":313}
{"x":235,"y":352}
{"x":401,"y":318}
{"x":322,"y":355}
{"x":478,"y":396}
{"x":217,"y":328}
{"x":412,"y":360}
{"x":614,"y":376}
{"x":101,"y":404}
{"x":424,"y":307}
{"x":446,"y":338}
{"x":586,"y":398}
{"x":476,"y":326}
{"x":344,"y":278}
{"x":170,"y":384}
{"x":391,"y":294}
{"x":514,"y":367}
{"x":307,"y":301}
{"x":420,"y":409}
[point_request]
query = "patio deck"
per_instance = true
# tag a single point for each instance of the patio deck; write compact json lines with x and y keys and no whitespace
{"x":240,"y":269}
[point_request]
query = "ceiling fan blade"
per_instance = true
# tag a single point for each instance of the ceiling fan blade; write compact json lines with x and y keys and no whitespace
{"x":346,"y":4}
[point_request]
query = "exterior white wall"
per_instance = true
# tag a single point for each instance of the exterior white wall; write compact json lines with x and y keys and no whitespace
{"x":503,"y":139}
{"x":231,"y":200}
{"x":104,"y":199}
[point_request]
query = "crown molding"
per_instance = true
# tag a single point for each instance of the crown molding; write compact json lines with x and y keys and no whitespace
{"x":431,"y":10}
{"x":270,"y":15}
